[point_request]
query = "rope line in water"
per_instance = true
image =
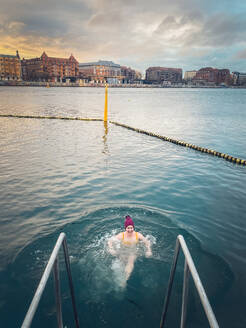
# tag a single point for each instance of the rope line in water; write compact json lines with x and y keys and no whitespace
{"x":52,"y":117}
{"x":226,"y":157}
{"x":185,"y":144}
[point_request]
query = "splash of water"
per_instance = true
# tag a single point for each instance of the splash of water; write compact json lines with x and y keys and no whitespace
{"x":104,"y":272}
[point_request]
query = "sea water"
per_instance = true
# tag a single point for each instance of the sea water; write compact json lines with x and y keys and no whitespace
{"x":84,"y":177}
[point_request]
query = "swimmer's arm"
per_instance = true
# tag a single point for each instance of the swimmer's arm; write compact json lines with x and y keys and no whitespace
{"x":110,"y":243}
{"x":147,"y":244}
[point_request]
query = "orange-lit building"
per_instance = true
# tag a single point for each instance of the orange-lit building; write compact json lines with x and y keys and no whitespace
{"x":47,"y":68}
{"x":10,"y":67}
{"x":33,"y":70}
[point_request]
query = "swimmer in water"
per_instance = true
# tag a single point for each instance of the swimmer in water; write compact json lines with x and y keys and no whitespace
{"x":129,"y":238}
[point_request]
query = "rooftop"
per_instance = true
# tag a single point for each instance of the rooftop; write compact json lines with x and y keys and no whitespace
{"x":9,"y":56}
{"x":100,"y":63}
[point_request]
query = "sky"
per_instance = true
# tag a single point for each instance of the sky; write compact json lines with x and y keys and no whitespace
{"x":187,"y":34}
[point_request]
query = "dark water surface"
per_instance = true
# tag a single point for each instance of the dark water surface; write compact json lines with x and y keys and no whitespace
{"x":83,"y":178}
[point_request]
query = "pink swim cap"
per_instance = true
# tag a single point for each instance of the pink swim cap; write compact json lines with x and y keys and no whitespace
{"x":128,"y":221}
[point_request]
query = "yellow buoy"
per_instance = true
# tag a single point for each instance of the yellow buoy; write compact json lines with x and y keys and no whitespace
{"x":106,"y":104}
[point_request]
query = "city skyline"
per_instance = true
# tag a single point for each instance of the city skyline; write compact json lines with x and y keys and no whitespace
{"x":188,"y":34}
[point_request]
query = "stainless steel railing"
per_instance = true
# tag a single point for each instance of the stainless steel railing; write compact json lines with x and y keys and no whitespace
{"x":189,"y":267}
{"x":53,"y":264}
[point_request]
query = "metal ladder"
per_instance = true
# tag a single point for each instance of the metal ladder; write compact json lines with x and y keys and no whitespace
{"x":53,"y":264}
{"x":189,"y":267}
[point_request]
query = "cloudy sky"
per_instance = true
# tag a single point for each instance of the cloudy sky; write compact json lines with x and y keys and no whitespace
{"x":189,"y":34}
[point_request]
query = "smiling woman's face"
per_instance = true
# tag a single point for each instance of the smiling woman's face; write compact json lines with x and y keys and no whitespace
{"x":129,"y":229}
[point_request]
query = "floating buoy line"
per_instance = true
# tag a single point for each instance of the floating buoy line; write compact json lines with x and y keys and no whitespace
{"x":226,"y":157}
{"x":51,"y":117}
{"x":185,"y":144}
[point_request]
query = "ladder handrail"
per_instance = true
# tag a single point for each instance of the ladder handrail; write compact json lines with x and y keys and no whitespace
{"x":53,"y":264}
{"x":189,"y":267}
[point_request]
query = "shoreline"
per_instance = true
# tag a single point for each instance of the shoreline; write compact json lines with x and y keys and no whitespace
{"x":97,"y":85}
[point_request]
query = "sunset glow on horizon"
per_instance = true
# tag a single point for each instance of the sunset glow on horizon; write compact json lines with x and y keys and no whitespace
{"x":190,"y":34}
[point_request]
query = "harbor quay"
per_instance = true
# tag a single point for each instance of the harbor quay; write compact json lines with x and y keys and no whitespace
{"x":102,"y":85}
{"x":52,"y":71}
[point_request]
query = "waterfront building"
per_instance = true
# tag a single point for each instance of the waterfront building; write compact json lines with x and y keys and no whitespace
{"x":213,"y":76}
{"x":33,"y":70}
{"x":101,"y":71}
{"x":239,"y":78}
{"x":104,"y":71}
{"x":10,"y":67}
{"x":139,"y":76}
{"x":130,"y":75}
{"x":51,"y":69}
{"x":242,"y":79}
{"x":162,"y":75}
{"x":189,"y":75}
{"x":206,"y":75}
{"x":224,"y":76}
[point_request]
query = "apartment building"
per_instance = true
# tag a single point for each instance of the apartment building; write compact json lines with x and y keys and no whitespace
{"x":160,"y":75}
{"x":10,"y":67}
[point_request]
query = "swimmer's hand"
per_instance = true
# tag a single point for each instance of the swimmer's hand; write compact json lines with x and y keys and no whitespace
{"x":148,"y":253}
